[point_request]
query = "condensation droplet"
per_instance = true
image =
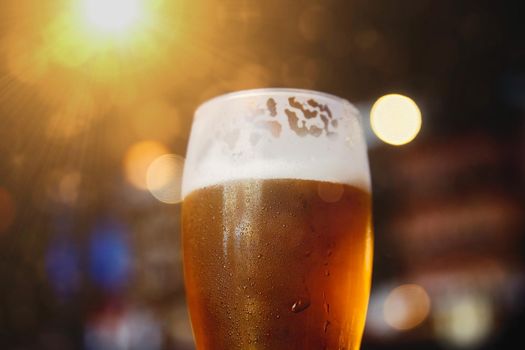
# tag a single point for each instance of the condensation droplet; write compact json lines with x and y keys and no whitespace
{"x":300,"y":305}
{"x":307,"y":253}
{"x":327,"y":308}
{"x":326,"y":324}
{"x":327,"y":273}
{"x":278,"y":316}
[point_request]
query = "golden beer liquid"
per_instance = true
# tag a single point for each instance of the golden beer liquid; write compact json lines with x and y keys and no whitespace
{"x":277,"y":264}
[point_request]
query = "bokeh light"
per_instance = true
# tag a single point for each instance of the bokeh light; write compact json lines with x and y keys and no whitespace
{"x":465,"y":320}
{"x":138,"y":159}
{"x":7,"y":210}
{"x":133,"y":329}
{"x":110,"y":256}
{"x":164,"y":178}
{"x":112,"y":15}
{"x":406,"y":307}
{"x":395,"y":119}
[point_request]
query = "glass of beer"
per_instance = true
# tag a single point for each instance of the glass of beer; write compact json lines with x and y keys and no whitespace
{"x":276,"y":219}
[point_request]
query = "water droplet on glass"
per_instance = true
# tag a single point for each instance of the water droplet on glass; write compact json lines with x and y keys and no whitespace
{"x":278,"y":316}
{"x":329,"y":252}
{"x":326,"y":324}
{"x":327,"y":273}
{"x":300,"y":305}
{"x":307,"y":253}
{"x":259,"y":256}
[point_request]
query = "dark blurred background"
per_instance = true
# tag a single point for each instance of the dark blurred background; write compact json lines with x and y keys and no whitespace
{"x":96,"y":105}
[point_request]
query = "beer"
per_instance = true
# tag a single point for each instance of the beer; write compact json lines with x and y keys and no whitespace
{"x":277,"y":264}
{"x":277,"y":240}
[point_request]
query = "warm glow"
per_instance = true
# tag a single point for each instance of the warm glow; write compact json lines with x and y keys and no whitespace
{"x":85,"y":58}
{"x":395,"y":119}
{"x":112,"y":15}
{"x":164,"y":178}
{"x":406,"y":307}
{"x":138,"y":159}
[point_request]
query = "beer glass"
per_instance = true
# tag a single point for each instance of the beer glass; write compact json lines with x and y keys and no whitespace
{"x":276,"y":219}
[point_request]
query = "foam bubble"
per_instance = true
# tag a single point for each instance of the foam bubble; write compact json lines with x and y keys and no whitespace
{"x":276,"y":134}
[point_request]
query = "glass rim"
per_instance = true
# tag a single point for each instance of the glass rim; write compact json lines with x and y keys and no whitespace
{"x":267,"y":91}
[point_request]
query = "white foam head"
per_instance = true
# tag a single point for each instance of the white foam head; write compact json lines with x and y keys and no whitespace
{"x":276,"y":134}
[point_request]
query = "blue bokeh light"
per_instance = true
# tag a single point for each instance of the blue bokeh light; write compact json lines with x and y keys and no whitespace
{"x":109,"y":256}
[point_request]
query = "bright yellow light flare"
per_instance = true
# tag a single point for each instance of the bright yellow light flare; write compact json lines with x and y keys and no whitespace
{"x":164,"y":178}
{"x":138,"y":159}
{"x":395,"y":119}
{"x":406,"y":307}
{"x":112,"y":16}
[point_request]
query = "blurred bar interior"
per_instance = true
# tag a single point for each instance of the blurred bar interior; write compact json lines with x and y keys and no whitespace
{"x":96,"y":102}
